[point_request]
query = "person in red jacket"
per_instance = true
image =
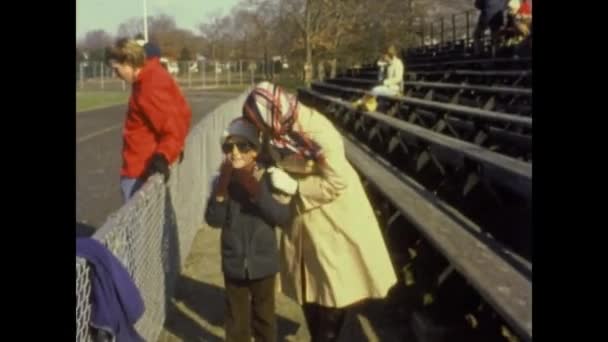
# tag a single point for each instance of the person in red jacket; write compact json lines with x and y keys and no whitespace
{"x":153,"y":54}
{"x":155,"y":128}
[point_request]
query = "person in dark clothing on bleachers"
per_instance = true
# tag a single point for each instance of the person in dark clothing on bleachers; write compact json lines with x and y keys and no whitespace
{"x":491,"y":16}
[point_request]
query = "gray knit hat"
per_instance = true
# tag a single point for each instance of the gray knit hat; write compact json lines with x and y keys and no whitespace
{"x":242,"y":128}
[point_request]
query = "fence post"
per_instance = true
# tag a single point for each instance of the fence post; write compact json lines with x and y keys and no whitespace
{"x":102,"y":85}
{"x":251,"y":71}
{"x":453,"y":28}
{"x":467,"y":28}
{"x":81,"y":76}
{"x":272,"y":69}
{"x":204,"y":67}
{"x":241,"y":71}
{"x":216,"y":74}
{"x":422,"y":32}
{"x":229,"y":73}
{"x":189,"y":75}
{"x":442,"y":40}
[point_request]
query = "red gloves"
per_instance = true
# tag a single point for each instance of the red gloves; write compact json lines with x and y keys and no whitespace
{"x":224,"y":179}
{"x":244,"y":177}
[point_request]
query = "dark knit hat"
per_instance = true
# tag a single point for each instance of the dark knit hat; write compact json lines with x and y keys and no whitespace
{"x":151,"y":50}
{"x":242,"y":128}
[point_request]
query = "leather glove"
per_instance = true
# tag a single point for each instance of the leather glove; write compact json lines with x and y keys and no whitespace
{"x":224,"y":179}
{"x":159,"y":164}
{"x":282,"y":181}
{"x":246,"y":179}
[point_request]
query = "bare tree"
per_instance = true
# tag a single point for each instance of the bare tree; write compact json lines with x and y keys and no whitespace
{"x":243,"y":32}
{"x":131,"y":27}
{"x":308,"y":17}
{"x":348,"y":31}
{"x":96,"y":39}
{"x":212,"y":32}
{"x":161,"y":23}
{"x":341,"y":17}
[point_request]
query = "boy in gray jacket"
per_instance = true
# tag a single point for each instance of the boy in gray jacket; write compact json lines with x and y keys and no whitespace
{"x":247,"y":208}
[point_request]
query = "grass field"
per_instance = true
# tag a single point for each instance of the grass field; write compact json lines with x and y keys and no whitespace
{"x":92,"y":99}
{"x":86,"y":100}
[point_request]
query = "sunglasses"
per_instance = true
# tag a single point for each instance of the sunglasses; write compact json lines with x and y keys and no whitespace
{"x":243,"y":147}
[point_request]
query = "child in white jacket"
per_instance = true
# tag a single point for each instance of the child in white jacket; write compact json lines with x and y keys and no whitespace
{"x":392,"y":83}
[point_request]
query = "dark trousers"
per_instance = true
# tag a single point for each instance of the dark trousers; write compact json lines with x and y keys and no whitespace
{"x":250,"y":306}
{"x":484,"y":22}
{"x":324,"y":324}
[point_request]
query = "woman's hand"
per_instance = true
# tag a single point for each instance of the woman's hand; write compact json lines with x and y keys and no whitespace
{"x":281,"y":181}
{"x":296,"y":165}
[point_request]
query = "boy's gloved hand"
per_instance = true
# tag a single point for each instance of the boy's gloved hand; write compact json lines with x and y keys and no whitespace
{"x":282,"y":181}
{"x":224,"y":179}
{"x":247,"y":180}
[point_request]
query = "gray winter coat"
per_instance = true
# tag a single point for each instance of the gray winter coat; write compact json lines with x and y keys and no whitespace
{"x":248,"y":239}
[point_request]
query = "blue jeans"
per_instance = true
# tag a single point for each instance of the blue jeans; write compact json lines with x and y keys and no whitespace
{"x":129,"y":186}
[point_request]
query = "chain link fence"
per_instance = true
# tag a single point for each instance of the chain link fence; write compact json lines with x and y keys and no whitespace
{"x":97,"y":76}
{"x":152,"y":233}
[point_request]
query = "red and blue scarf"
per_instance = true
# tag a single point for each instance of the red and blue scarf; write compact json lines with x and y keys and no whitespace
{"x":275,"y":112}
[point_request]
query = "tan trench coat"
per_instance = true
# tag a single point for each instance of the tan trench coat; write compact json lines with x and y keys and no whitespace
{"x":334,"y":241}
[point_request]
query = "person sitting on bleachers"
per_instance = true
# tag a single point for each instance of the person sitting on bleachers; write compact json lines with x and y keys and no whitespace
{"x":392,"y":83}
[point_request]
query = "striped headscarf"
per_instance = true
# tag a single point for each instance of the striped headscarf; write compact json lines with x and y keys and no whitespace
{"x":275,"y":112}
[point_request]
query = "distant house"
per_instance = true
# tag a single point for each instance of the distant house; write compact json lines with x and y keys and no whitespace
{"x":85,"y":59}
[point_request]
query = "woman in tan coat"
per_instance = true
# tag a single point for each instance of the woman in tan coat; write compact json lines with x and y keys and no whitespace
{"x":333,"y":254}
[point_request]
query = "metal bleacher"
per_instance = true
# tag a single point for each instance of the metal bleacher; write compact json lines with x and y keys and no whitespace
{"x":448,"y":165}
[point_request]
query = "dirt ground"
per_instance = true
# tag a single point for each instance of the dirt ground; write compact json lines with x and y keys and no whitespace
{"x":196,"y":313}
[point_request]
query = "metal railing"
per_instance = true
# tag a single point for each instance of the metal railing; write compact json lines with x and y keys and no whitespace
{"x":458,"y":26}
{"x":456,"y":34}
{"x":489,"y":267}
{"x":97,"y":76}
{"x":153,"y":232}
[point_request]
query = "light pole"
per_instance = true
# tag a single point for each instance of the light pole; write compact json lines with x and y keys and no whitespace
{"x":146,"y":20}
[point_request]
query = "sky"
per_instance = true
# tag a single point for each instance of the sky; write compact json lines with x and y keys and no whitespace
{"x":108,"y":14}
